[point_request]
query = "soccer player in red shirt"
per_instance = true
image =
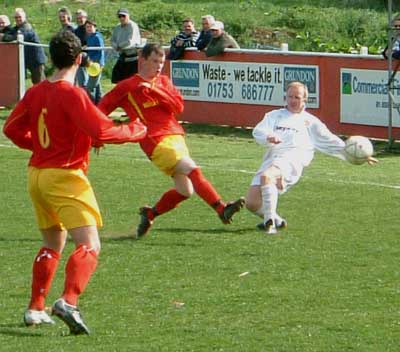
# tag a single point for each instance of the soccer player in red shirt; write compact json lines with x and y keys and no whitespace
{"x":59,"y":124}
{"x":152,"y":98}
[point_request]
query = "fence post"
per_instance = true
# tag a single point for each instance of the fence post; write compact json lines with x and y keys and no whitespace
{"x":21,"y":65}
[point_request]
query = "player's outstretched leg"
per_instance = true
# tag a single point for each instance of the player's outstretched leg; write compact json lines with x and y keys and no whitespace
{"x":168,"y":201}
{"x":208,"y":193}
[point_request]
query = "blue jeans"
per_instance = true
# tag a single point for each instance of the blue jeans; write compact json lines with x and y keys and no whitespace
{"x":94,"y":88}
{"x":82,"y":77}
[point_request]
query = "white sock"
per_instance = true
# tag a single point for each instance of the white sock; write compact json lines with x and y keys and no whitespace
{"x":269,"y":194}
{"x":260,"y":213}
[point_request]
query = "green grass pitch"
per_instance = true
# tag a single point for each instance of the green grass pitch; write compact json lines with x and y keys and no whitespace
{"x":330,"y":282}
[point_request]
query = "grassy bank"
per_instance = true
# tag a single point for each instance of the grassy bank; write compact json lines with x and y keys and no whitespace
{"x":315,"y":25}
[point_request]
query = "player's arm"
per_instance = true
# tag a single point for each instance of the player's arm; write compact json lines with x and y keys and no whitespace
{"x":17,"y":127}
{"x":102,"y":129}
{"x":263,"y":133}
{"x":324,"y":140}
{"x":111,"y":100}
{"x":133,"y":131}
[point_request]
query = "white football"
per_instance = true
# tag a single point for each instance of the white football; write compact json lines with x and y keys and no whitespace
{"x":358,"y":149}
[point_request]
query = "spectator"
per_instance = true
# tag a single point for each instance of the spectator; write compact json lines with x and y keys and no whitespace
{"x":80,"y":32}
{"x":125,"y":39}
{"x":94,"y":39}
{"x":5,"y":26}
{"x":220,"y":40}
{"x":34,"y":56}
{"x":65,"y":17}
{"x":205,"y":34}
{"x":395,"y":40}
{"x":185,"y":39}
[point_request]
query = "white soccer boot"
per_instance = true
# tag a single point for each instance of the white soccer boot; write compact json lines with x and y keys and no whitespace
{"x":37,"y":317}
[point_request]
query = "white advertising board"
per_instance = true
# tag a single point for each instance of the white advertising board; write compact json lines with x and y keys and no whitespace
{"x":364,"y":97}
{"x":242,"y":82}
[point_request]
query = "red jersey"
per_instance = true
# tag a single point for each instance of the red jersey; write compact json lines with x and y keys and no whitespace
{"x":156,"y":103}
{"x":58,"y":123}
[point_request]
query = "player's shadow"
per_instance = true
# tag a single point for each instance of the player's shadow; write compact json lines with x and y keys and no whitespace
{"x":21,"y":240}
{"x":180,"y":231}
{"x":177,"y":230}
{"x":19,"y":330}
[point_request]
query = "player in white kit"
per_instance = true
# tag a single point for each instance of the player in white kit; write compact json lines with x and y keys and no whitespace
{"x":291,"y":136}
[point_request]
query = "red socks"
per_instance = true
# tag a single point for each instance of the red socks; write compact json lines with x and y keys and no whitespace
{"x":202,"y":187}
{"x":168,"y":201}
{"x":80,"y":267}
{"x":44,"y":268}
{"x":205,"y":190}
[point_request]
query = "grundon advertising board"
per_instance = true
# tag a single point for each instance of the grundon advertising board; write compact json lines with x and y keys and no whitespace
{"x":242,"y":82}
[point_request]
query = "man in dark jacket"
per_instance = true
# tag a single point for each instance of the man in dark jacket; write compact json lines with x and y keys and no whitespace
{"x":34,"y":56}
{"x":205,"y":34}
{"x":5,"y":27}
{"x":81,"y":16}
{"x":220,"y":40}
{"x":395,"y":40}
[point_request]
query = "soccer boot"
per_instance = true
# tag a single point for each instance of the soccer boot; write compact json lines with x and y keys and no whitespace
{"x":270,"y":228}
{"x":71,"y":316}
{"x":279,"y":225}
{"x":37,"y":317}
{"x":230,"y":209}
{"x":145,"y":223}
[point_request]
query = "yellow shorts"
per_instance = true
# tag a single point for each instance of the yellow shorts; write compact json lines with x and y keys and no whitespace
{"x":63,"y":197}
{"x":168,"y":152}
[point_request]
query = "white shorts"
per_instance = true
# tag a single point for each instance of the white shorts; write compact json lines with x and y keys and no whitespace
{"x":291,"y":171}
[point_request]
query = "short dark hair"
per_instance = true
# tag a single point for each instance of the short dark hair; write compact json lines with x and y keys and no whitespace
{"x":66,"y":11}
{"x":64,"y":48}
{"x":92,"y":22}
{"x":150,"y":48}
{"x":188,"y":19}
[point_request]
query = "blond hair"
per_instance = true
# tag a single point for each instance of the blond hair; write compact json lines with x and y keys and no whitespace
{"x":5,"y":19}
{"x":298,"y":84}
{"x":20,"y":11}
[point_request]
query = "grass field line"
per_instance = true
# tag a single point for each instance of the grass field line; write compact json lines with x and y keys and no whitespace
{"x":251,"y":172}
{"x":376,"y":184}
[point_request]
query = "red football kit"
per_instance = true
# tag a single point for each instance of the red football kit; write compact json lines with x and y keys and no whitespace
{"x":156,"y":107}
{"x":59,"y":124}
